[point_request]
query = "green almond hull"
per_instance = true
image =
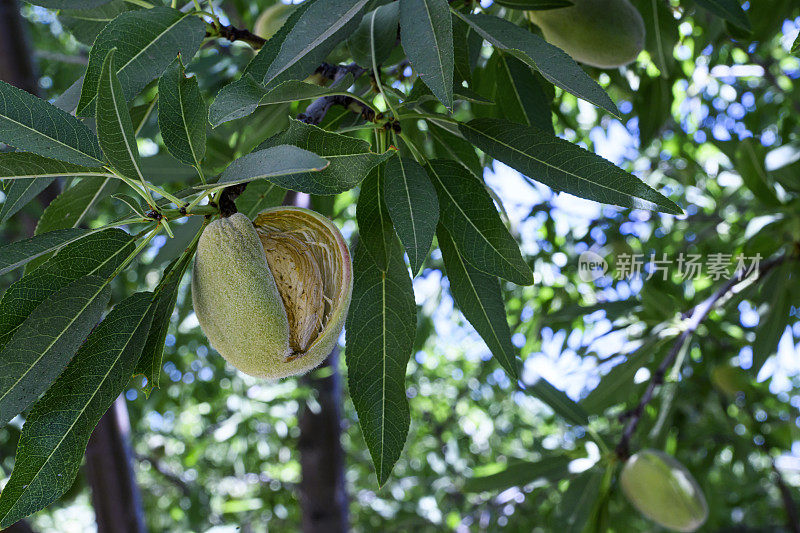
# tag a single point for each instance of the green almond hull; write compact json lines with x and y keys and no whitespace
{"x":664,"y":491}
{"x":600,"y":33}
{"x":239,"y":307}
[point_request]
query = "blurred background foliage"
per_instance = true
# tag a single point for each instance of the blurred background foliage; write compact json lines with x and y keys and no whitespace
{"x":714,"y":125}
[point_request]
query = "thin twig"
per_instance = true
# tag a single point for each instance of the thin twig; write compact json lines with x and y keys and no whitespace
{"x":692,"y":320}
{"x":316,"y":111}
{"x":233,"y":33}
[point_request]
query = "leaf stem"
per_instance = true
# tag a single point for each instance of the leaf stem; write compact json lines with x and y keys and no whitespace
{"x":146,"y":116}
{"x":197,"y":200}
{"x":427,"y":116}
{"x":141,"y":3}
{"x":135,"y":252}
{"x":377,"y":75}
{"x":165,"y":194}
{"x":418,"y":155}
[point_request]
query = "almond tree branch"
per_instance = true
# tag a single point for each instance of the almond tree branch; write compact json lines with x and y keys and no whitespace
{"x":316,"y":111}
{"x":692,"y":320}
{"x":241,"y":34}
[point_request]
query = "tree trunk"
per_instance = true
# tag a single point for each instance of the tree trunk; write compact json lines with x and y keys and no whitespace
{"x":16,"y":66}
{"x":323,"y":496}
{"x":322,"y":489}
{"x":109,"y":470}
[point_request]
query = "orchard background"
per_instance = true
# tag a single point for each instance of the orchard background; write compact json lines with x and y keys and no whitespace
{"x":518,"y":427}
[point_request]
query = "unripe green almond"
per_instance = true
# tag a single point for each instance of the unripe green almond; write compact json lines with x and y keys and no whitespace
{"x":600,"y":33}
{"x":664,"y":491}
{"x":272,"y":19}
{"x":272,"y":295}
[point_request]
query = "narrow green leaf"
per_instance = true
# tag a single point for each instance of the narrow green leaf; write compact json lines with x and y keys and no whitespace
{"x":450,"y":146}
{"x":578,"y":501}
{"x":59,"y":425}
{"x":164,"y":298}
{"x":350,"y":159}
{"x":20,"y":193}
{"x":413,"y":206}
{"x":114,"y":125}
{"x":375,"y":230}
{"x":462,"y":37}
{"x":519,"y":473}
{"x":68,"y":100}
{"x":86,"y":24}
{"x":470,"y":217}
{"x":561,"y":404}
{"x":654,"y":100}
{"x":730,"y":10}
{"x":46,"y":341}
{"x":421,"y":93}
{"x":562,"y":165}
{"x":236,"y":100}
{"x":534,"y":5}
{"x":554,"y":64}
{"x":240,"y":98}
{"x":23,"y":165}
{"x":96,"y":254}
{"x":140,"y":115}
{"x":147,"y":41}
{"x":163,"y":168}
{"x":380,"y":336}
{"x":182,"y":115}
{"x":258,"y":66}
{"x":183,"y":235}
{"x":323,"y":25}
{"x":70,"y":208}
{"x":376,"y":36}
{"x":134,"y":205}
{"x":31,"y":124}
{"x":426,"y":32}
{"x":295,"y":91}
{"x":18,"y":253}
{"x":661,"y":33}
{"x":66,"y":4}
{"x":796,"y":45}
{"x":519,"y":95}
{"x":276,"y":164}
{"x":258,"y":196}
{"x":478,"y":296}
{"x":750,"y":160}
{"x":778,"y":316}
{"x":246,"y":95}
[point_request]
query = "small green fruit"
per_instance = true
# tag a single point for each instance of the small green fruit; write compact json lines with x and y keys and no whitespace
{"x":664,"y":491}
{"x":272,"y":19}
{"x":600,"y":33}
{"x":272,"y":295}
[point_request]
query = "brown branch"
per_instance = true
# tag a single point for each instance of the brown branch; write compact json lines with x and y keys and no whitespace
{"x":241,"y":34}
{"x":316,"y":111}
{"x":227,"y":200}
{"x":693,"y":318}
